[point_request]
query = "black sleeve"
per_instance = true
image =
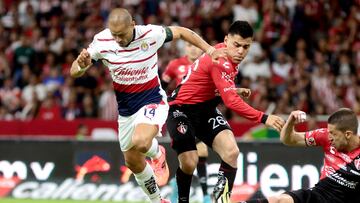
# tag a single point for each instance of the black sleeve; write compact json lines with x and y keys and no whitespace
{"x":264,"y":118}
{"x":169,"y":35}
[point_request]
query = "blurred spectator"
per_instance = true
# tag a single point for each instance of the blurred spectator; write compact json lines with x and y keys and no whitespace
{"x":10,"y":96}
{"x":49,"y":109}
{"x":82,"y":132}
{"x":305,"y":55}
{"x":259,"y":66}
{"x":107,"y":103}
{"x":24,"y":54}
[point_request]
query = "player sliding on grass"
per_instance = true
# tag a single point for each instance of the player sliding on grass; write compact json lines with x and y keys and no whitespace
{"x":130,"y":53}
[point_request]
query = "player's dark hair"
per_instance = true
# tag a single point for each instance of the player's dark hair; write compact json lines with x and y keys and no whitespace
{"x":344,"y":119}
{"x":242,"y":28}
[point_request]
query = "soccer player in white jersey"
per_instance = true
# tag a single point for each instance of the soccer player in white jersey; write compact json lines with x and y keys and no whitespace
{"x":130,"y":53}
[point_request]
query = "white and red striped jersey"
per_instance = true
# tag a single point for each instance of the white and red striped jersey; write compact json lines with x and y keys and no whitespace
{"x":133,"y":68}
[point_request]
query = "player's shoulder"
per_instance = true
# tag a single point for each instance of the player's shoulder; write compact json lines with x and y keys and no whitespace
{"x":148,"y":29}
{"x":318,"y":134}
{"x":104,"y":35}
{"x":181,"y":60}
{"x":322,"y":131}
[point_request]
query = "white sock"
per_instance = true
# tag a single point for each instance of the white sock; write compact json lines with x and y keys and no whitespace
{"x":146,"y":180}
{"x":154,"y":152}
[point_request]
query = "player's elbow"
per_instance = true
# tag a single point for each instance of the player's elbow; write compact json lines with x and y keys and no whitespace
{"x":178,"y":31}
{"x":286,"y":139}
{"x":229,"y":102}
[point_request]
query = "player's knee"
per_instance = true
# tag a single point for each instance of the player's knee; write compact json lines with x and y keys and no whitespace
{"x":140,"y":144}
{"x":188,"y":164}
{"x":231,"y":155}
{"x":202,"y":150}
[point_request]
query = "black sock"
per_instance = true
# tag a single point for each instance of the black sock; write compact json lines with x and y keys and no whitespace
{"x":229,"y":172}
{"x":201,"y":168}
{"x":183,"y":181}
{"x":256,"y":201}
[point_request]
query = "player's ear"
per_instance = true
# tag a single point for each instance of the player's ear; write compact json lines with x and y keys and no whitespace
{"x":348,"y":134}
{"x":226,"y":39}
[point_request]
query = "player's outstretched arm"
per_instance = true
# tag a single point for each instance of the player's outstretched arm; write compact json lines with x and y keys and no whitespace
{"x":288,"y":135}
{"x":81,"y":64}
{"x":193,"y":38}
{"x":275,"y":122}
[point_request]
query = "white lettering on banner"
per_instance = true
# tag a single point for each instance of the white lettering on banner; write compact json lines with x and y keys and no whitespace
{"x":252,"y":169}
{"x":42,"y":173}
{"x":106,"y":191}
{"x":272,"y":178}
{"x":76,"y":190}
{"x":19,"y":169}
{"x":24,"y":190}
{"x":307,"y":170}
{"x":268,"y":183}
{"x":62,"y":188}
{"x":83,"y":192}
{"x":267,"y":179}
{"x":9,"y":170}
{"x":46,"y":190}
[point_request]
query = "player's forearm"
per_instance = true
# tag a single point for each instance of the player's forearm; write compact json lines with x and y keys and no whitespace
{"x":287,"y":132}
{"x":241,"y":108}
{"x":76,"y":71}
{"x":191,"y":37}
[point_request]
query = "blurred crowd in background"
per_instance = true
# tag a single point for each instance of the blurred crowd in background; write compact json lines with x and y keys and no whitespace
{"x":305,"y":55}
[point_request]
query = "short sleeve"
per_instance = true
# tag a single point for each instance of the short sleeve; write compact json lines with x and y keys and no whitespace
{"x":92,"y":49}
{"x":158,"y":34}
{"x":318,"y":137}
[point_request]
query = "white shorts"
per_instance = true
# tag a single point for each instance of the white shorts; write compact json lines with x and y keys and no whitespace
{"x":154,"y":114}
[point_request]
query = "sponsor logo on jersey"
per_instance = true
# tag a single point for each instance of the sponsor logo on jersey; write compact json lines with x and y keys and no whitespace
{"x":178,"y":113}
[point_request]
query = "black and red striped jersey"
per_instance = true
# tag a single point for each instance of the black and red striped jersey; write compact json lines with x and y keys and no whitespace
{"x":205,"y":78}
{"x":340,"y":175}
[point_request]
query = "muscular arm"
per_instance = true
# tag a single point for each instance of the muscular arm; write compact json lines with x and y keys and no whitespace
{"x":191,"y":37}
{"x":229,"y":95}
{"x":289,"y":136}
{"x":80,"y":64}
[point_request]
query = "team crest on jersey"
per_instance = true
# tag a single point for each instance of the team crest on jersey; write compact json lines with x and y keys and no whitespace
{"x":357,"y":163}
{"x":182,"y":128}
{"x":144,"y":46}
{"x":311,"y":141}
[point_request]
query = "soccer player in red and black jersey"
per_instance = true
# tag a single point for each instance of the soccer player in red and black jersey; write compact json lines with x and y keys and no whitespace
{"x":193,"y":111}
{"x":174,"y":72}
{"x":340,"y":176}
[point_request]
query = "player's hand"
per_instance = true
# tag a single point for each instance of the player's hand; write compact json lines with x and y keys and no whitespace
{"x":298,"y":116}
{"x":275,"y":122}
{"x":218,"y":53}
{"x":243,"y":92}
{"x":84,"y":59}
